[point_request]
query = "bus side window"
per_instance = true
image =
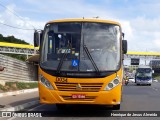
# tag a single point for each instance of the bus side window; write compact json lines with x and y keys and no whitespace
{"x":51,"y":44}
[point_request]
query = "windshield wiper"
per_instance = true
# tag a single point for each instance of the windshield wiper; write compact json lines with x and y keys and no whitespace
{"x":61,"y":62}
{"x":62,"y":59}
{"x":91,"y":59}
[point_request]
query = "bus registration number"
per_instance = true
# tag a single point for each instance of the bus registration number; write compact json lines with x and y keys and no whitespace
{"x":78,"y":96}
{"x":61,"y":79}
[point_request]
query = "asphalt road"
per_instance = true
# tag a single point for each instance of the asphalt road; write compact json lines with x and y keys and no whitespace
{"x":14,"y":100}
{"x":135,"y":98}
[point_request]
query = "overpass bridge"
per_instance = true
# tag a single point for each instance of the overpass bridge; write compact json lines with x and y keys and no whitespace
{"x":17,"y":48}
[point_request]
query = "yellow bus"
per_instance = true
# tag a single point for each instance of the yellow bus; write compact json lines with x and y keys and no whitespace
{"x":81,"y":62}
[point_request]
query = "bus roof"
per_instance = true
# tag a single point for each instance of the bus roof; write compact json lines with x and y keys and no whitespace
{"x":85,"y":20}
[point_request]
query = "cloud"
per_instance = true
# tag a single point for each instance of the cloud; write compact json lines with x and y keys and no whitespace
{"x":146,"y":34}
{"x":49,"y":10}
{"x":139,"y":23}
{"x":11,"y":19}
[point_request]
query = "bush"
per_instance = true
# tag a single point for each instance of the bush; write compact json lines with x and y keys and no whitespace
{"x":2,"y":88}
{"x":22,"y":85}
{"x":18,"y":86}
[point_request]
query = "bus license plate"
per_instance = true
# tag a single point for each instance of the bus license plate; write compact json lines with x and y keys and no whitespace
{"x":78,"y":96}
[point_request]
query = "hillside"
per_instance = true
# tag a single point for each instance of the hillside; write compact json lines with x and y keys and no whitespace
{"x":12,"y":39}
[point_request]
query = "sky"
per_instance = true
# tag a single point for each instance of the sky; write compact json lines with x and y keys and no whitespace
{"x":140,"y":19}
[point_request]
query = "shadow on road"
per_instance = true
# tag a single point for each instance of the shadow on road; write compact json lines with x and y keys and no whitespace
{"x":80,"y":111}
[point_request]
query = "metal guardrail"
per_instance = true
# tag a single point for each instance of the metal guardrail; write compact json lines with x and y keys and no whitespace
{"x":18,"y":48}
{"x":16,"y":70}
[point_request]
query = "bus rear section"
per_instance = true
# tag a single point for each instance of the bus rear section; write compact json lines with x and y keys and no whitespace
{"x":81,"y":62}
{"x":143,"y":75}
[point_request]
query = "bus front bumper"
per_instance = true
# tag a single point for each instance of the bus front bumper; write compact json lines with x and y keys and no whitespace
{"x":112,"y":97}
{"x":143,"y":82}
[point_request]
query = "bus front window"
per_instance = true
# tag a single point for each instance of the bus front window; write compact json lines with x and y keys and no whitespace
{"x":65,"y":47}
{"x":144,"y":73}
{"x":103,"y":42}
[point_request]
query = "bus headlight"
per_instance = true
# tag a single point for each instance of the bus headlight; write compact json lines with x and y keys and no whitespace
{"x":112,"y":84}
{"x":116,"y":81}
{"x":45,"y":82}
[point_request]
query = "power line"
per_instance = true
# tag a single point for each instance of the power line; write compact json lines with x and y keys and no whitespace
{"x":15,"y":27}
{"x":13,"y":12}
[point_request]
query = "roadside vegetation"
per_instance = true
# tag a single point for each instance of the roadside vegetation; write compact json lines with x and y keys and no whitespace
{"x":12,"y":86}
{"x":156,"y":76}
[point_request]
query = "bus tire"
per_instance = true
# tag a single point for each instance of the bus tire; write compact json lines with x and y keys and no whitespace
{"x":149,"y":84}
{"x":116,"y":107}
{"x":60,"y":106}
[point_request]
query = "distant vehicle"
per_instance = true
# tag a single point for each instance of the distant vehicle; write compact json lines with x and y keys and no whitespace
{"x":143,"y":75}
{"x":131,"y":79}
{"x":126,"y":82}
{"x":154,"y":80}
{"x":155,"y":65}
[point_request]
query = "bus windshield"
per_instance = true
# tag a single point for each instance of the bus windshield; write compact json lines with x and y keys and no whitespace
{"x":81,"y":47}
{"x":144,"y":73}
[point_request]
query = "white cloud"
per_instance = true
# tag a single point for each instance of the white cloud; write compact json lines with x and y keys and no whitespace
{"x":142,"y":32}
{"x":25,"y":23}
{"x":146,"y":34}
{"x":127,"y":29}
{"x":157,"y":42}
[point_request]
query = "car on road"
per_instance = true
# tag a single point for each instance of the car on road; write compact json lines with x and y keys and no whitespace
{"x":154,"y":80}
{"x":131,"y":79}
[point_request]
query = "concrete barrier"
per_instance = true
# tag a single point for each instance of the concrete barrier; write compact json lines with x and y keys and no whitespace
{"x":15,"y":70}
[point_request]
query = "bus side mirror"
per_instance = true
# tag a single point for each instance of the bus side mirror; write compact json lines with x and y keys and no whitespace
{"x":36,"y":38}
{"x":124,"y":46}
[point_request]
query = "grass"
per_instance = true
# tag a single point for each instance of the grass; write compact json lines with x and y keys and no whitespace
{"x":2,"y":88}
{"x":156,"y":76}
{"x":11,"y":86}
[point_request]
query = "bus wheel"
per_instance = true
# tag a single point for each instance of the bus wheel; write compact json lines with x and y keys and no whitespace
{"x":60,"y":106}
{"x":116,"y":107}
{"x":149,"y":84}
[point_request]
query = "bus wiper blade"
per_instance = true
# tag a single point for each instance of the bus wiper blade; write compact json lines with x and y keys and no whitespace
{"x":61,"y":61}
{"x":91,"y":59}
{"x":63,"y":57}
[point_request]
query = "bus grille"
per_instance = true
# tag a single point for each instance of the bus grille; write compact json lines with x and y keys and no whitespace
{"x":87,"y":98}
{"x":79,"y":87}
